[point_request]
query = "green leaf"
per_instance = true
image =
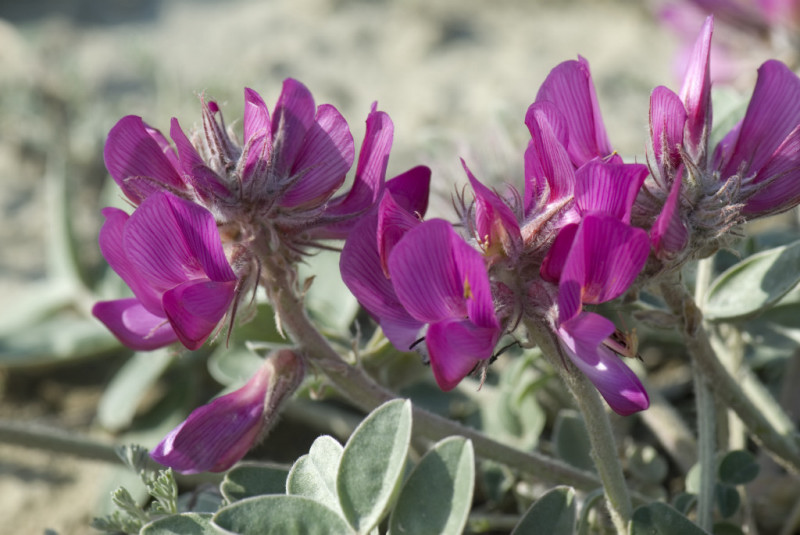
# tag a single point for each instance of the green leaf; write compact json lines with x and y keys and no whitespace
{"x":183,"y":524}
{"x":754,"y":284}
{"x":727,"y":498}
{"x":661,"y":519}
{"x":372,"y":464}
{"x":684,"y":502}
{"x":314,"y":475}
{"x":596,"y":498}
{"x":646,"y":464}
{"x":738,"y":467}
{"x":552,"y":514}
{"x":233,"y":365}
{"x":571,"y":440}
{"x":726,"y":528}
{"x":253,"y":479}
{"x":437,"y":497}
{"x":280,"y":515}
{"x":121,"y":397}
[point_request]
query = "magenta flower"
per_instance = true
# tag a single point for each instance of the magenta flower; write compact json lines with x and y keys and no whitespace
{"x":454,"y":298}
{"x":170,"y":255}
{"x":217,"y":435}
{"x":604,"y":259}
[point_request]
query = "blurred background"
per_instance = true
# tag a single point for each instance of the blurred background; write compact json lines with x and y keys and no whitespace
{"x":456,"y":76}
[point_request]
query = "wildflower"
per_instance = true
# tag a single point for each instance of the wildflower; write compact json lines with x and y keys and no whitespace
{"x":170,"y":255}
{"x":217,"y":435}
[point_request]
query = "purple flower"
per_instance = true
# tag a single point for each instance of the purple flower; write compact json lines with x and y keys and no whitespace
{"x":170,"y":255}
{"x":217,"y":435}
{"x":454,"y":298}
{"x":605,"y":257}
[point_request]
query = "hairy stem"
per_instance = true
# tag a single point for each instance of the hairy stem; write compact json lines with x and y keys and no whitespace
{"x":604,"y":450}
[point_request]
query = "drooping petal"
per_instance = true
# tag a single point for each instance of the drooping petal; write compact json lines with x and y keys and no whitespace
{"x":582,"y":338}
{"x":669,"y":233}
{"x":773,"y":113}
{"x":605,"y":258}
{"x":696,"y":93}
{"x":322,"y":161}
{"x":139,"y":159}
{"x":569,"y":86}
{"x":667,"y":122}
{"x":608,"y":188}
{"x":291,"y":120}
{"x":455,"y":347}
{"x":779,"y":180}
{"x":495,"y":224}
{"x":218,"y":434}
{"x":411,"y":189}
{"x":134,"y":325}
{"x":195,"y":308}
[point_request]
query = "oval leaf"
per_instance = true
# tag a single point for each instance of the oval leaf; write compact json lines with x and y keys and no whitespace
{"x":437,"y":496}
{"x":314,"y":475}
{"x":552,"y":514}
{"x":571,"y":440}
{"x":253,"y":479}
{"x":660,"y":519}
{"x":372,"y":464}
{"x":279,"y":515}
{"x":754,"y":284}
{"x":738,"y":467}
{"x":183,"y":524}
{"x":727,"y":498}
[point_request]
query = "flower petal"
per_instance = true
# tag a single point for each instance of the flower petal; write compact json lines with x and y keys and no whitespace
{"x":667,"y":122}
{"x":257,"y":135}
{"x":205,"y":181}
{"x":134,"y":325}
{"x":218,"y":434}
{"x":773,"y":113}
{"x":547,"y":160}
{"x":779,"y":178}
{"x":582,"y":338}
{"x":669,"y":234}
{"x":134,"y":150}
{"x":569,"y":86}
{"x":195,"y":308}
{"x":393,"y":223}
{"x":410,"y":190}
{"x":495,"y":223}
{"x":608,"y":188}
{"x":606,"y":257}
{"x":455,"y":347}
{"x":553,"y":264}
{"x":292,"y":118}
{"x":696,"y":93}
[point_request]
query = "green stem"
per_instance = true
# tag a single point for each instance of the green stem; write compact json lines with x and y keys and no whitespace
{"x":365,"y":393}
{"x":724,"y":386}
{"x":601,"y":436}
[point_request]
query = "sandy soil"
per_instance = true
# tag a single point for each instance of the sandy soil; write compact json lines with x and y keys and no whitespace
{"x":452,"y":73}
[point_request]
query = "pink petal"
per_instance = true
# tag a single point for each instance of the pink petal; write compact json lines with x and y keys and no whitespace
{"x":569,"y":86}
{"x":322,"y":161}
{"x":780,"y":179}
{"x":134,"y":149}
{"x":495,"y":223}
{"x":455,"y":348}
{"x":669,"y":234}
{"x":292,"y":118}
{"x":606,"y":257}
{"x":257,"y":135}
{"x":204,"y":180}
{"x":133,"y":325}
{"x":696,"y":92}
{"x":410,"y":190}
{"x":608,"y":188}
{"x":667,"y":121}
{"x":582,"y":338}
{"x":217,"y":435}
{"x":547,"y":160}
{"x":195,"y":308}
{"x":773,"y":113}
{"x":393,"y":224}
{"x":553,"y":264}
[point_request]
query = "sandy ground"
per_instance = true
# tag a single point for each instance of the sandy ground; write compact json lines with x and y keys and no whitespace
{"x":456,"y":76}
